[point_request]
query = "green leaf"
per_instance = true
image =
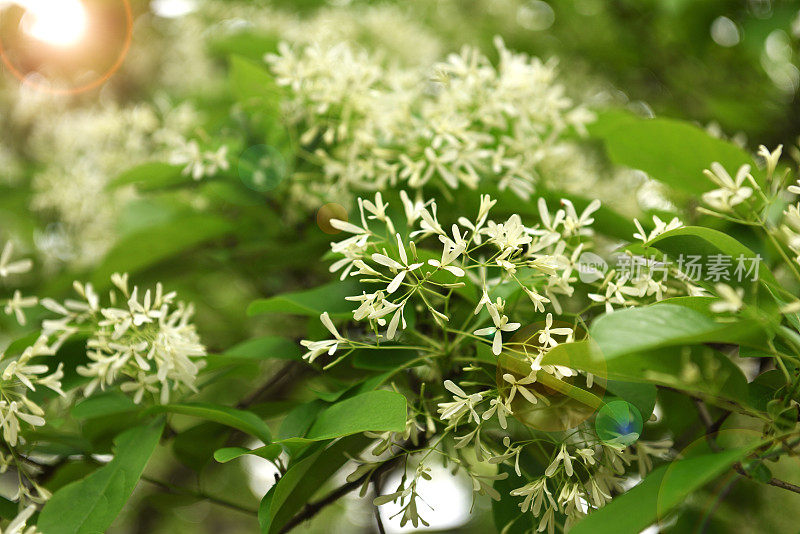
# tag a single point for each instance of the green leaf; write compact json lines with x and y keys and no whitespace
{"x":269,"y":452}
{"x":660,"y":492}
{"x":91,"y":504}
{"x":303,"y":479}
{"x":195,"y":446}
{"x":701,"y":241}
{"x":154,"y":244}
{"x":299,"y":420}
{"x":253,"y":85}
{"x":152,"y":175}
{"x":103,"y":404}
{"x":267,"y":347}
{"x":698,"y":368}
{"x":641,"y":396}
{"x":669,"y":150}
{"x":330,"y":298}
{"x":662,"y":325}
{"x":375,"y":411}
{"x":239,"y":419}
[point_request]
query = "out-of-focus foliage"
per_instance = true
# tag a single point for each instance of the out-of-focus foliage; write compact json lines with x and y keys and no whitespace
{"x":342,"y":261}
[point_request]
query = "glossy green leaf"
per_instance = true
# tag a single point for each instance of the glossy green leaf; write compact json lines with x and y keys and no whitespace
{"x":661,"y":325}
{"x":375,"y":411}
{"x":640,"y":395}
{"x":701,"y":241}
{"x":659,"y":493}
{"x":698,"y":368}
{"x":103,"y":404}
{"x":90,"y":505}
{"x":669,"y":150}
{"x":305,"y":478}
{"x":269,"y":452}
{"x":253,"y":85}
{"x":195,"y":446}
{"x":239,"y":419}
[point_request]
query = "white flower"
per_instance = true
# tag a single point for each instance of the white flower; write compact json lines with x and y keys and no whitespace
{"x":547,"y":522}
{"x":731,"y":300}
{"x":397,"y":320}
{"x":546,"y":334}
{"x":462,"y":403}
{"x":8,"y":267}
{"x":731,"y":191}
{"x":501,"y":325}
{"x":509,"y":236}
{"x":378,"y":211}
{"x":413,"y":210}
{"x":148,"y":337}
{"x":401,"y":268}
{"x":17,"y":303}
{"x":771,"y":158}
{"x":450,"y":253}
{"x":197,"y":163}
{"x":500,"y":406}
{"x":660,"y":228}
{"x":316,"y":348}
{"x":538,"y":300}
{"x":537,"y":494}
{"x":609,"y":298}
{"x":575,"y":224}
{"x":562,"y":456}
{"x":519,"y":386}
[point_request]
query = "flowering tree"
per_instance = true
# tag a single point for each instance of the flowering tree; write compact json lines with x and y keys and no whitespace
{"x":368,"y":267}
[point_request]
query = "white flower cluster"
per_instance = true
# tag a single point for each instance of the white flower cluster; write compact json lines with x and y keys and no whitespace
{"x":199,"y":163}
{"x":147,"y":346}
{"x":563,"y":488}
{"x":21,"y":374}
{"x":80,"y":151}
{"x":460,"y":281}
{"x":541,"y":262}
{"x":480,"y":253}
{"x":22,"y":370}
{"x":733,"y":192}
{"x":371,"y":126}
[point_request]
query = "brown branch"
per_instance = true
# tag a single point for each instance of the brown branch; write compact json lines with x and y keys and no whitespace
{"x":712,"y":427}
{"x":313,"y":508}
{"x":784,"y":485}
{"x":378,"y":520}
{"x":284,"y":374}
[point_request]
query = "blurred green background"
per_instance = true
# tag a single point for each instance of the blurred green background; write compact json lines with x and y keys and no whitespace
{"x":731,"y":66}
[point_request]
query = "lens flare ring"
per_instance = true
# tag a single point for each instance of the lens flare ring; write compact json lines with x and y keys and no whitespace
{"x":27,"y":81}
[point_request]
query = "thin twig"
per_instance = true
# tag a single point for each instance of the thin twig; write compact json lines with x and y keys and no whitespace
{"x":378,"y":520}
{"x":313,"y":508}
{"x":276,"y":379}
{"x":172,"y":488}
{"x":712,"y":427}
